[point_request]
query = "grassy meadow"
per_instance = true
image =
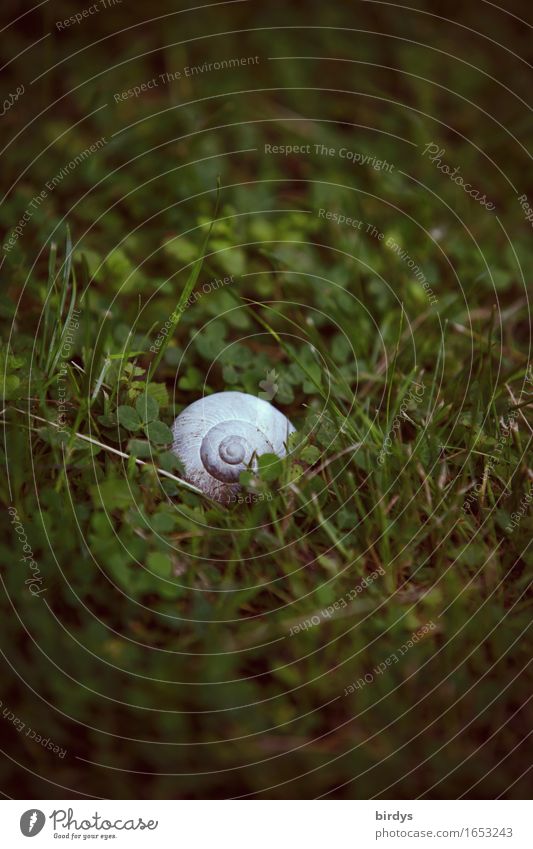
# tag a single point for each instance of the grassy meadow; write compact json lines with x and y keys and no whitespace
{"x":262,"y":198}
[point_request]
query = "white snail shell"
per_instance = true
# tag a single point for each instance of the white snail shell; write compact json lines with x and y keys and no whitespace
{"x":219,"y":436}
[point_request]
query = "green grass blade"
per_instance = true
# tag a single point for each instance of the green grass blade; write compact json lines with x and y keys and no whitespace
{"x":184,"y":297}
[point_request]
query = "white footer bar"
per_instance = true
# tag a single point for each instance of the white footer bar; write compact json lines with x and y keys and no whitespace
{"x":258,"y":824}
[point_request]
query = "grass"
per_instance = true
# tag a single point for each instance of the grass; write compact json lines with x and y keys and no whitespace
{"x":176,"y":651}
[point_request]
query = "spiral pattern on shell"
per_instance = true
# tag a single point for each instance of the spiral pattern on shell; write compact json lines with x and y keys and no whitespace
{"x":219,"y":436}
